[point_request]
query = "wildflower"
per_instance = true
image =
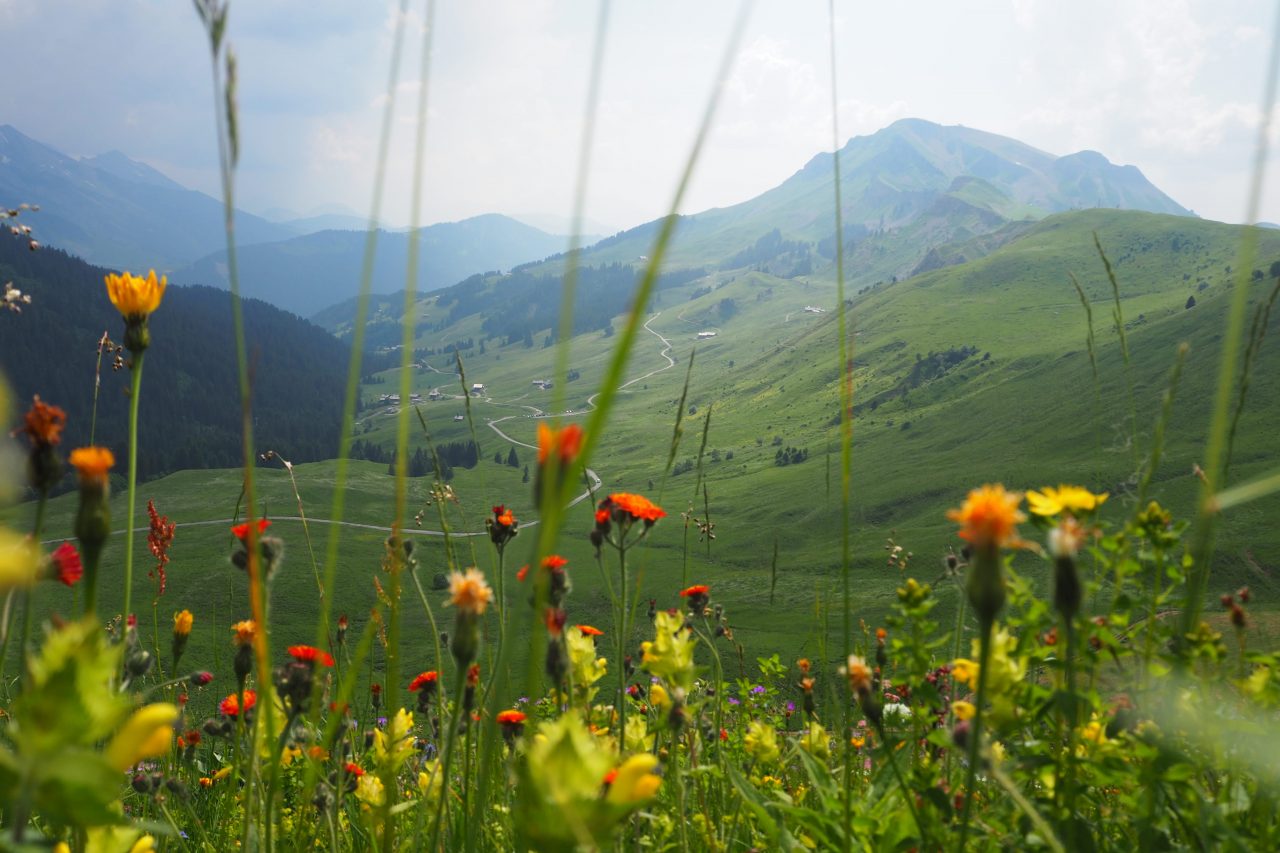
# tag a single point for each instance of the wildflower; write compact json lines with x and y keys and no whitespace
{"x":635,"y":781}
{"x":670,"y":654}
{"x":342,"y":629}
{"x":627,"y":508}
{"x":245,"y":632}
{"x":311,"y":655}
{"x":589,"y":631}
{"x":502,"y":527}
{"x":988,"y":521}
{"x":815,"y":741}
{"x":965,"y":671}
{"x":148,"y":733}
{"x":586,"y":666}
{"x":963,"y":710}
{"x":565,"y":443}
{"x":989,"y":517}
{"x":159,"y":538}
{"x":241,"y":531}
{"x":512,"y":723}
{"x":370,"y":790}
{"x":430,"y":781}
{"x":696,"y":597}
{"x":425,"y":685}
{"x":182,"y":622}
{"x":761,"y":742}
{"x":43,"y":425}
{"x":859,"y":675}
{"x":469,"y":592}
{"x":66,"y":561}
{"x":230,"y":706}
{"x":393,"y":745}
{"x":1050,"y":501}
{"x":1065,"y":540}
{"x":136,"y":298}
{"x":201,"y":679}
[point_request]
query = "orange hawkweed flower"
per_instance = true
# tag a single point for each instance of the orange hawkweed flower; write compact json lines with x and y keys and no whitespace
{"x":511,"y":718}
{"x":859,"y":674}
{"x":245,"y":632}
{"x":638,"y":507}
{"x":241,"y":531}
{"x":589,"y":630}
{"x":469,"y":592}
{"x":989,"y":517}
{"x":697,"y":590}
{"x":565,"y":443}
{"x":67,"y":562}
{"x":92,"y":463}
{"x":230,"y":707}
{"x":133,"y":295}
{"x":426,"y":679}
{"x":310,"y":654}
{"x":43,"y":424}
{"x":182,"y":622}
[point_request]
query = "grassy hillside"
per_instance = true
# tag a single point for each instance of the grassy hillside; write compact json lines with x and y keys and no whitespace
{"x":971,"y":373}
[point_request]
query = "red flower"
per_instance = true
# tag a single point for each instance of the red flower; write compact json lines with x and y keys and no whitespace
{"x":610,"y":776}
{"x":503,"y":516}
{"x":241,"y":531}
{"x":354,"y":769}
{"x":230,"y":706}
{"x":523,"y":572}
{"x":200,"y":679}
{"x":473,"y":675}
{"x":638,"y":507}
{"x":159,"y":538}
{"x":565,"y":443}
{"x":68,"y":562}
{"x":589,"y":631}
{"x":426,"y":679}
{"x":43,"y":424}
{"x":511,"y":718}
{"x":700,"y":589}
{"x":554,"y":562}
{"x":310,"y":654}
{"x":555,"y":619}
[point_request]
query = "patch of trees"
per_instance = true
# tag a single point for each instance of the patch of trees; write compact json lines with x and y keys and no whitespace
{"x":771,"y":253}
{"x":455,"y":454}
{"x":926,"y":368}
{"x":790,"y":456}
{"x":190,"y":414}
{"x":853,"y":233}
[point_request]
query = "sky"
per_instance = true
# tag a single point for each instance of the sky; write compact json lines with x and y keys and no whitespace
{"x":1171,"y":86}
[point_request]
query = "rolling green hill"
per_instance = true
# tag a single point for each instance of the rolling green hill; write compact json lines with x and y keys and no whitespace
{"x":969,"y":373}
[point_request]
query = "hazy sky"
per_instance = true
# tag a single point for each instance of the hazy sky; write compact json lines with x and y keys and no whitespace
{"x":1171,"y":86}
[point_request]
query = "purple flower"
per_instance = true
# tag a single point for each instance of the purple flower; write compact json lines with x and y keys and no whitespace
{"x":758,"y":689}
{"x":382,"y":722}
{"x":734,"y":701}
{"x":791,"y":707}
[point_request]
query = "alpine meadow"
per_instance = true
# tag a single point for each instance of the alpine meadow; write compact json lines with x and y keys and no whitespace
{"x":925,"y":499}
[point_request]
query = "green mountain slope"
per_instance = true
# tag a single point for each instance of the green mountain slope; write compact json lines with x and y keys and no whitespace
{"x":190,"y":409}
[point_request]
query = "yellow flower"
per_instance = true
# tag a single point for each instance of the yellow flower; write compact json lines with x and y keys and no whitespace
{"x":370,"y":790}
{"x":815,"y":741}
{"x":963,"y":710}
{"x":289,"y":755}
{"x":761,"y":742}
{"x":393,"y":746}
{"x":1006,"y":669}
{"x":660,"y":698}
{"x":430,"y":781}
{"x":670,"y":654}
{"x":147,"y":734}
{"x":989,"y":517}
{"x":1094,"y":731}
{"x":469,"y":592}
{"x":1051,"y":501}
{"x":182,"y":622}
{"x":19,"y":560}
{"x":965,"y":672}
{"x":245,"y":632}
{"x":135,"y":296}
{"x":635,"y":781}
{"x":587,"y":668}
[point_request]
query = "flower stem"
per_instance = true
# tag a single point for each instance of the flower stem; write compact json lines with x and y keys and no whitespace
{"x":975,"y":735}
{"x":134,"y":393}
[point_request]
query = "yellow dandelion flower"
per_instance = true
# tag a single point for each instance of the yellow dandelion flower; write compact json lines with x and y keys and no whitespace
{"x":135,"y":296}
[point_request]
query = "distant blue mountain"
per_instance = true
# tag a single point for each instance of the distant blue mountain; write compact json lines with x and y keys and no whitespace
{"x":114,"y":211}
